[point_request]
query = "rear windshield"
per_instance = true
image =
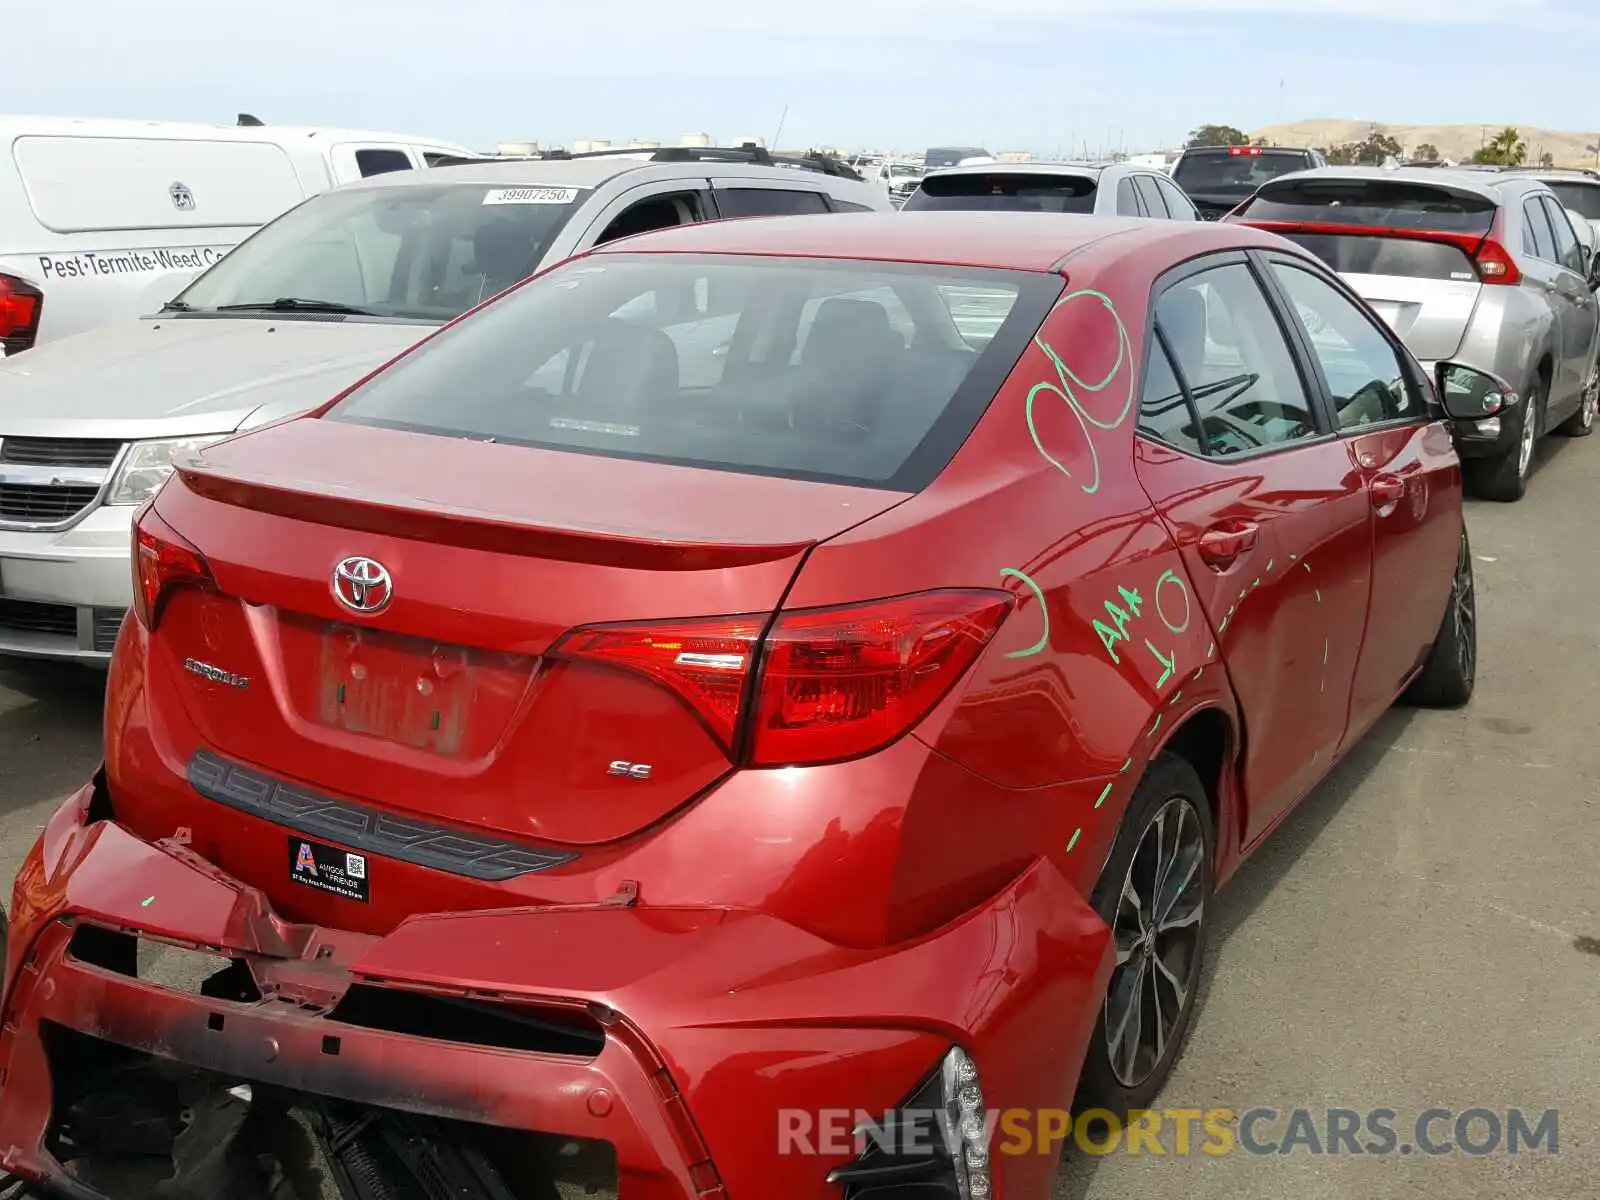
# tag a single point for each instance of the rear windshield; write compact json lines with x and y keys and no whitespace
{"x":428,"y":252}
{"x":1581,"y":198}
{"x":863,"y":373}
{"x":1408,"y":258}
{"x":1222,"y":171}
{"x":1380,"y":203}
{"x":1005,"y":191}
{"x":950,"y":156}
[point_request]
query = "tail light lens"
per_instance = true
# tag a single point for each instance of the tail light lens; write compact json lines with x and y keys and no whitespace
{"x":163,"y":561}
{"x":828,"y":684}
{"x":21,"y":305}
{"x":1494,"y":261}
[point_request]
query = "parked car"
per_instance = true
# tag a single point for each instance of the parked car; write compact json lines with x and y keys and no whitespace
{"x":103,"y":220}
{"x":1482,"y":267}
{"x":708,"y":685}
{"x":89,"y":424}
{"x":1114,"y":190}
{"x":951,"y":156}
{"x":1217,"y":178}
{"x":1578,"y":191}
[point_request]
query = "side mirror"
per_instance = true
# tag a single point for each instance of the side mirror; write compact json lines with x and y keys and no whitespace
{"x":1469,"y":394}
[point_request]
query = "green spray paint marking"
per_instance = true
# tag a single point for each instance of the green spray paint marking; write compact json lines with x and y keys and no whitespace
{"x":147,"y":902}
{"x":1210,"y":650}
{"x":1324,"y":651}
{"x":1125,"y":766}
{"x":1171,"y":578}
{"x":1044,"y":612}
{"x":1169,"y":663}
{"x":1076,"y":834}
{"x":1103,"y":796}
{"x":1318,"y":591}
{"x":1155,"y":727}
{"x":1307,"y":566}
{"x":1270,"y":561}
{"x":1197,"y":675}
{"x":1065,"y":381}
{"x":1178,"y":695}
{"x":1256,"y":584}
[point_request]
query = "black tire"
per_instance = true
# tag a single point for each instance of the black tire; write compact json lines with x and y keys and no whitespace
{"x":1505,"y":478}
{"x":1173,"y":792}
{"x":1451,"y":671}
{"x":1581,"y":423}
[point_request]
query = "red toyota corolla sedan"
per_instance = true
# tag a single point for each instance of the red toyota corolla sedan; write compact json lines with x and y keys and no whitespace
{"x":753,"y":673}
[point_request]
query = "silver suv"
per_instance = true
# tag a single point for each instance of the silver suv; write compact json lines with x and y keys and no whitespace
{"x":308,"y":305}
{"x":1116,"y":190}
{"x":1477,"y":267}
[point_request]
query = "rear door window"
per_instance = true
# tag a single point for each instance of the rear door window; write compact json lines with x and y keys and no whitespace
{"x":1537,"y":238}
{"x":860,"y":372}
{"x":1568,"y":252}
{"x":1154,"y":205}
{"x":1128,"y":200}
{"x":768,"y":202}
{"x":1005,"y":191}
{"x":93,"y":184}
{"x":1365,"y":375}
{"x":1231,"y":355}
{"x":1177,"y":203}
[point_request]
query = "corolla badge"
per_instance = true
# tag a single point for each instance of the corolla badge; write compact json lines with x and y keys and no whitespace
{"x":362,"y":585}
{"x":182,"y":197}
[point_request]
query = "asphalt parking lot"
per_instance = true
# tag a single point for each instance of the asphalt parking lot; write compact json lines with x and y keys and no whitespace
{"x":1423,"y":933}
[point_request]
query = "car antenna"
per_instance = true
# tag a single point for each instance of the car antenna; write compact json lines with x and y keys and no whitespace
{"x":250,"y":119}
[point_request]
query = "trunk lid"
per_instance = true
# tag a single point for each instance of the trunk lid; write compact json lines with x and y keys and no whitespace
{"x":445,"y":704}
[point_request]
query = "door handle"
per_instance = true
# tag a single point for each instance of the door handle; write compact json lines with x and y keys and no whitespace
{"x":1387,"y":491}
{"x":1221,"y":545}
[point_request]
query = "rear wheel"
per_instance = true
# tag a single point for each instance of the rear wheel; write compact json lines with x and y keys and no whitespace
{"x":1506,"y":478}
{"x":1581,"y":423}
{"x":1451,"y":672}
{"x":1154,"y":894}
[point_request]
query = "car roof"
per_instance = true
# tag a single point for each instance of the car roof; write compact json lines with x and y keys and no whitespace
{"x":1263,"y":149}
{"x":584,"y":173}
{"x":15,"y":125}
{"x":1015,"y":168}
{"x":995,"y":240}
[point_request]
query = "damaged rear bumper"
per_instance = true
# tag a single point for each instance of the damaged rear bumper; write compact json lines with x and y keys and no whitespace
{"x":681,"y":1036}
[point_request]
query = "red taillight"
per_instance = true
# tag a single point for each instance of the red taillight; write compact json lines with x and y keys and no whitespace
{"x":1244,"y":151}
{"x":1495,"y":264}
{"x":21,"y":305}
{"x":833,"y":683}
{"x":162,"y":561}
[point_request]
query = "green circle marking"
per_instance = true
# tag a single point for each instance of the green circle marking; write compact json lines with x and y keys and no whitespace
{"x":1188,"y":609}
{"x":1044,"y":612}
{"x":1067,"y":379}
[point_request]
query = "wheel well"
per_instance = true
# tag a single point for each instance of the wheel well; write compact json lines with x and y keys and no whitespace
{"x":1202,"y":741}
{"x":1545,"y":369}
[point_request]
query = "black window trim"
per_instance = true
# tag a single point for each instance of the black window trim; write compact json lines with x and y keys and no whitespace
{"x":1327,"y":432}
{"x":1411,"y":372}
{"x":1540,"y":213}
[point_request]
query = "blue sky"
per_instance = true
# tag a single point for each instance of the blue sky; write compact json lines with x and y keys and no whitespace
{"x":1044,"y":75}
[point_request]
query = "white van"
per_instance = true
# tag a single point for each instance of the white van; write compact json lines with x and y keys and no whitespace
{"x":101,"y":220}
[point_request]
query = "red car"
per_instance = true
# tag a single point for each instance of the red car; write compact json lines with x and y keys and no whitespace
{"x":752,"y":673}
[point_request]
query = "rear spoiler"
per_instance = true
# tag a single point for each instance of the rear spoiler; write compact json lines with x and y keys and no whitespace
{"x":410,"y":517}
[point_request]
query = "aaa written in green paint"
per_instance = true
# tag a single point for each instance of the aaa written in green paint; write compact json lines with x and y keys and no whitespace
{"x":1115,"y":629}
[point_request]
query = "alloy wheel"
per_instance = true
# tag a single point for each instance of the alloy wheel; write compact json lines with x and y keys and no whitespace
{"x":1528,"y":435}
{"x":1591,"y":400}
{"x":1464,"y":613}
{"x":1157,"y":928}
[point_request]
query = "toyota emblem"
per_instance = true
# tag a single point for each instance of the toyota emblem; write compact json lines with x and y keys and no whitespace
{"x":362,"y":585}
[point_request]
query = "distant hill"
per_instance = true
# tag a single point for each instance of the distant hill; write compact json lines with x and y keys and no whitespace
{"x":1452,"y":141}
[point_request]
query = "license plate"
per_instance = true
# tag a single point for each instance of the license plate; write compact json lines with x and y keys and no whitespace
{"x":400,"y":689}
{"x":329,"y":869}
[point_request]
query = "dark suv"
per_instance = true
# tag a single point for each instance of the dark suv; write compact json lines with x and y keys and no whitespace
{"x":1218,"y":178}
